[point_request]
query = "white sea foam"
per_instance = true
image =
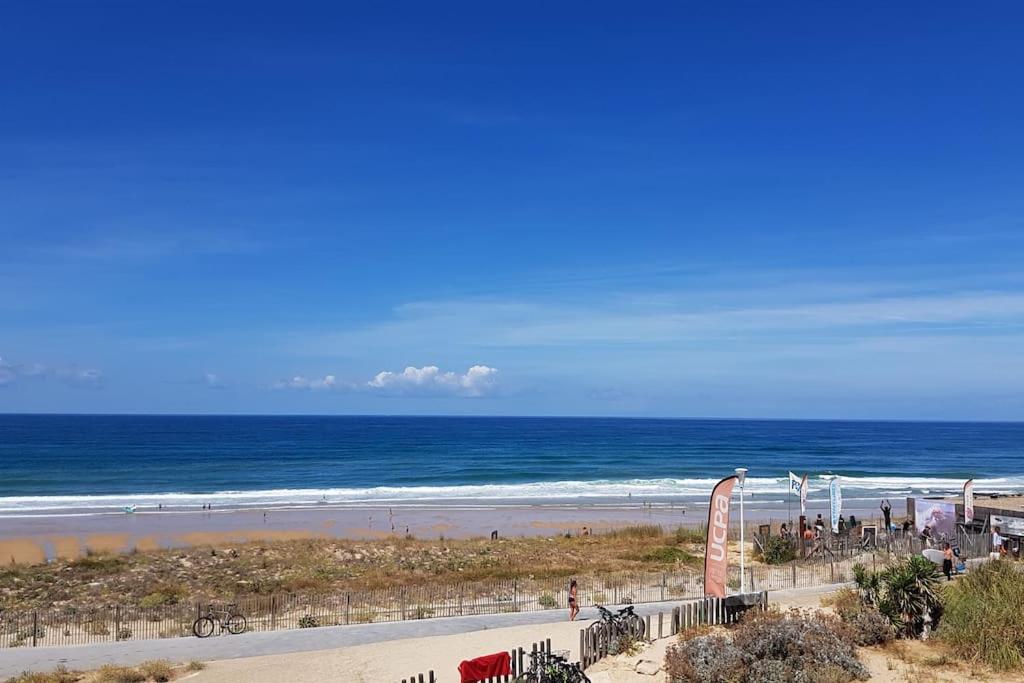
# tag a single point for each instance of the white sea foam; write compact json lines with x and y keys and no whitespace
{"x":766,"y":489}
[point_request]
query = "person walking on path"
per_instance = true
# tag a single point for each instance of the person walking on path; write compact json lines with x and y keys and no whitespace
{"x":574,"y":607}
{"x":947,"y":561}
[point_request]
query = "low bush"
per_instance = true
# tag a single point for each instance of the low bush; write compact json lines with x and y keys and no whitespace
{"x":195,"y":665}
{"x":982,"y":616}
{"x":711,"y":658}
{"x":667,"y":555}
{"x":776,"y":550}
{"x":768,"y":647}
{"x":60,"y":675}
{"x":547,"y":601}
{"x":119,"y":674}
{"x":864,"y":624}
{"x":308,"y":621}
{"x":159,"y":670}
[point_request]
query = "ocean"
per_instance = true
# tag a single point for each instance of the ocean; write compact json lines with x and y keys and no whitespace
{"x":85,"y":464}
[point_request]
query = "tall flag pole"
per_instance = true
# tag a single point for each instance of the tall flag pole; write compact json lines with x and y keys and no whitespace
{"x":803,"y":496}
{"x":716,"y":552}
{"x":969,"y":501}
{"x":797,"y":485}
{"x":835,"y":500}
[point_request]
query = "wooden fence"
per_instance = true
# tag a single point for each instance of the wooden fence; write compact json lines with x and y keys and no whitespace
{"x":69,"y":626}
{"x":520,"y":659}
{"x":594,"y":644}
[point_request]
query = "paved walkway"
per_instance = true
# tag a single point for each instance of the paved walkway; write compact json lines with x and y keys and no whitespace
{"x":84,"y":657}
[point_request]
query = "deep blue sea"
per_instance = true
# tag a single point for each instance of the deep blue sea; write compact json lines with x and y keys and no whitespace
{"x":56,"y":462}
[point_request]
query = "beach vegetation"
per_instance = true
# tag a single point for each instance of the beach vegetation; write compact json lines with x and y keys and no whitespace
{"x":768,"y":646}
{"x":982,"y":619}
{"x":775,"y":550}
{"x":547,"y":601}
{"x":195,"y":665}
{"x":905,"y":593}
{"x":111,"y":673}
{"x":308,"y":621}
{"x":154,"y":579}
{"x":669,"y":554}
{"x":637,"y":531}
{"x":59,"y":675}
{"x":158,"y":670}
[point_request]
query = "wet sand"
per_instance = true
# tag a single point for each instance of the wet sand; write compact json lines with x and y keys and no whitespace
{"x":32,"y":539}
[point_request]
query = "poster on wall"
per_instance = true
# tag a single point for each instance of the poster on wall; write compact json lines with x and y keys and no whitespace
{"x":937,"y":517}
{"x":1008,"y":526}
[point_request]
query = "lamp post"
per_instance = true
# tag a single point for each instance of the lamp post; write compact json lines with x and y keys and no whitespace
{"x":741,"y":475}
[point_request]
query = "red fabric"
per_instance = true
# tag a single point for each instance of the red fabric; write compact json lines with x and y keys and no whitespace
{"x":482,"y":668}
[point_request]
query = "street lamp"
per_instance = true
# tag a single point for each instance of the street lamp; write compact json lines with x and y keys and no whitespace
{"x":741,"y":475}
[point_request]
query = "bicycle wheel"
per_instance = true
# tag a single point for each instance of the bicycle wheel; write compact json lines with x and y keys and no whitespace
{"x":203,"y":627}
{"x":235,"y":624}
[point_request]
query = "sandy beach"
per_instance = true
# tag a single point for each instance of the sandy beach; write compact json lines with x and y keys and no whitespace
{"x":38,"y":538}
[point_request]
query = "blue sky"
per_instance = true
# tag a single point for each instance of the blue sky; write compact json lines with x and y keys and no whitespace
{"x":772,"y":210}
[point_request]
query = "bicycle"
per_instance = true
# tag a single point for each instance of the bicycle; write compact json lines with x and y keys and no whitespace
{"x":613,"y":628}
{"x":229,"y":619}
{"x":547,"y":667}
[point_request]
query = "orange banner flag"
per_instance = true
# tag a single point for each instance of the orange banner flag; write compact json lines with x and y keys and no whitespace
{"x":716,"y":552}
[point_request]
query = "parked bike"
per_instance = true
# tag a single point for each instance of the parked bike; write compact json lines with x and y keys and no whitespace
{"x":614,"y":628}
{"x":229,"y":619}
{"x":547,"y":667}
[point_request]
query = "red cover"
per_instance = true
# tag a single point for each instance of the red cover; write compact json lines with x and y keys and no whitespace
{"x":482,"y":668}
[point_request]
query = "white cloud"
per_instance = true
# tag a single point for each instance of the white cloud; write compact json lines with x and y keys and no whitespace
{"x":12,"y":372}
{"x":477,"y":381}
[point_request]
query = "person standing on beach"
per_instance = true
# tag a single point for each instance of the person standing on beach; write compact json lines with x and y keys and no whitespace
{"x":886,"y":508}
{"x":574,"y":608}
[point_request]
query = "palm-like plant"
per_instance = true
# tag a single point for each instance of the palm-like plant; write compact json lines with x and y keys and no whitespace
{"x":905,"y":593}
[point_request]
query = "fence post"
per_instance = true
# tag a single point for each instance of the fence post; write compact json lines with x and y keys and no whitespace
{"x":117,"y":622}
{"x":663,"y":580}
{"x":794,"y":576}
{"x":832,"y":569}
{"x":661,"y":625}
{"x":35,"y":627}
{"x":515,"y":594}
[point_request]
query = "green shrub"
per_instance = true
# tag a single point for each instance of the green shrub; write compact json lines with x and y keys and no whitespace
{"x":195,"y":665}
{"x":776,"y":550}
{"x":905,"y":593}
{"x":982,"y":619}
{"x":124,"y":633}
{"x":159,"y":670}
{"x":667,"y":555}
{"x":308,"y":621}
{"x":638,"y":531}
{"x":547,"y":601}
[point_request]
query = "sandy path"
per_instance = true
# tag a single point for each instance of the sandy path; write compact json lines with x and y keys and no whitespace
{"x":390,"y":661}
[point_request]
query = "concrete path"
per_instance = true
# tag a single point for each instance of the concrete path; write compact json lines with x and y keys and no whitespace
{"x":84,"y":657}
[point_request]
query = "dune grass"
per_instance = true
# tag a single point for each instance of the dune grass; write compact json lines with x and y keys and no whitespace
{"x":982,"y":616}
{"x":166,"y":577}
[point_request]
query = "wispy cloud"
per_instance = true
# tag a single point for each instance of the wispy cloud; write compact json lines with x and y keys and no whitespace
{"x":146,"y":245}
{"x":10,"y":373}
{"x":428,"y":380}
{"x":316,"y":384}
